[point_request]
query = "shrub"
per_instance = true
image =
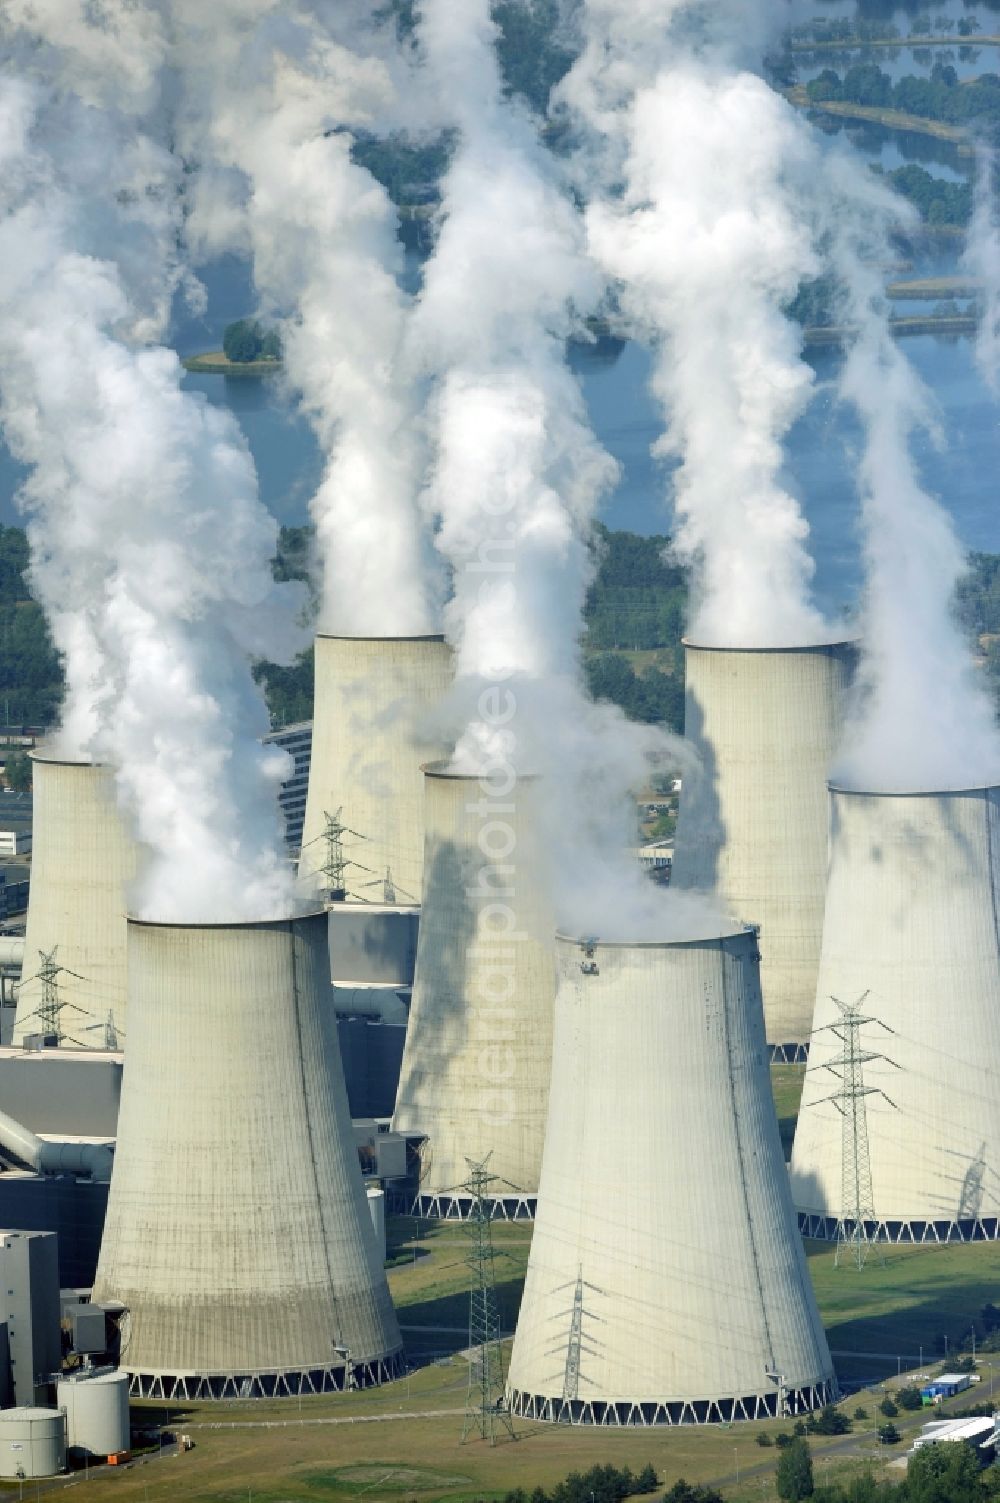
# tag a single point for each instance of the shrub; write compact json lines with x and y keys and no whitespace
{"x":888,"y":1408}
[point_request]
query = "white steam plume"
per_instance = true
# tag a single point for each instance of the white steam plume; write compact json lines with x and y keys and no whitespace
{"x":982,"y":260}
{"x":516,"y":480}
{"x":700,"y":226}
{"x":275,"y":95}
{"x":923,"y":718}
{"x":143,"y":513}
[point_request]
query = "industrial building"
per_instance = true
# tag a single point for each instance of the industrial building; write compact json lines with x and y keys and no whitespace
{"x":905,"y":1056}
{"x":666,"y":1281}
{"x":31,"y":1312}
{"x":73,"y":986}
{"x":363,"y":831}
{"x":764,"y":723}
{"x":475,"y":1072}
{"x":239,"y":1247}
{"x":296,"y":740}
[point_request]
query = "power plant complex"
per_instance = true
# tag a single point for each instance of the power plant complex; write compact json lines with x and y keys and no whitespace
{"x":189,"y":1107}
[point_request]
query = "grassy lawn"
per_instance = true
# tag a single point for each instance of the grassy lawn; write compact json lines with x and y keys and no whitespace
{"x":403,"y":1441}
{"x":786,"y":1088}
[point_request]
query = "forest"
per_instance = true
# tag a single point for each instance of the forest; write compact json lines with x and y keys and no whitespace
{"x":939,"y":97}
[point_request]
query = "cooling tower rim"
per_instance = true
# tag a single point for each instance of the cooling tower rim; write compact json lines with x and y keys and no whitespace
{"x":446,"y":773}
{"x":823,"y":645}
{"x":136,"y":922}
{"x":339,"y":636}
{"x":835,"y":786}
{"x":358,"y":905}
{"x":712,"y":937}
{"x":62,"y":759}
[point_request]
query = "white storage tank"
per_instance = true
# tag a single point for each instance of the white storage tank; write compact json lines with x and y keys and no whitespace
{"x":32,"y":1442}
{"x":96,"y":1405}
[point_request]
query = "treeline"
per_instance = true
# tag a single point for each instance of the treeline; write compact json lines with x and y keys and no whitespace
{"x":31,"y":678}
{"x":977,"y":601}
{"x":949,"y":1473}
{"x":939,"y":97}
{"x":609,"y":1484}
{"x":636,"y":602}
{"x":533,"y":57}
{"x":938,"y":201}
{"x":247,"y":340}
{"x":851,"y":29}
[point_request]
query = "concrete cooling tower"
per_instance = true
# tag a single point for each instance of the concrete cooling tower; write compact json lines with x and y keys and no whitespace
{"x":753,"y":826}
{"x":902,"y":1076}
{"x":83,"y":860}
{"x":475,"y":1074}
{"x":666,"y":1283}
{"x":364,"y":810}
{"x":238,"y":1239}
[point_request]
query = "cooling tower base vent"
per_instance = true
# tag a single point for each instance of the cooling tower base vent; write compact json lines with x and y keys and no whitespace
{"x":647,"y":1414}
{"x":968,"y":1229}
{"x":788,"y":1054}
{"x":458,"y":1207}
{"x":266,"y":1385}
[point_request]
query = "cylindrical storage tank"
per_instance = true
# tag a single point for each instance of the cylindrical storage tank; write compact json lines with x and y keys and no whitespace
{"x":910,"y":942}
{"x":475,"y":1074}
{"x":96,"y":1405}
{"x":238,"y":1236}
{"x":765,"y":724}
{"x":32,"y":1442}
{"x":371,"y":733}
{"x":82,"y":863}
{"x":666,"y":1281}
{"x":376,"y":1208}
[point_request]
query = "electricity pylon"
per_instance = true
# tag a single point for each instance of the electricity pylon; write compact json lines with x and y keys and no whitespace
{"x":336,"y":863}
{"x":857,"y":1196}
{"x":50,"y":1009}
{"x":577,"y":1344}
{"x":484,"y":1406}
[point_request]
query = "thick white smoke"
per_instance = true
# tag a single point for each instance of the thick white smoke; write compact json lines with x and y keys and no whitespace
{"x":275,"y":94}
{"x":701,"y":227}
{"x":727,"y":200}
{"x":982,"y":260}
{"x":516,"y":479}
{"x":923,"y":718}
{"x":151,"y":549}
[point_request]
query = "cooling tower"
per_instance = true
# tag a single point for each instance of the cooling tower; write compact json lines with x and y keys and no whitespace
{"x":238,"y":1237}
{"x":476,"y":1065}
{"x":666,"y":1282}
{"x":364,"y":810}
{"x":753,"y":824}
{"x":83,"y":860}
{"x":910,"y":943}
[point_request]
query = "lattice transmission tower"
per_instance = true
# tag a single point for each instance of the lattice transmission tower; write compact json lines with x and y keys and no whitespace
{"x":484,"y":1406}
{"x":577,"y":1345}
{"x":857,"y":1196}
{"x":336,"y":861}
{"x":51,"y":1007}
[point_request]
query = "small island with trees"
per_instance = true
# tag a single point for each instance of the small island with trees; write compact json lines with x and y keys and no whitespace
{"x":248,"y":349}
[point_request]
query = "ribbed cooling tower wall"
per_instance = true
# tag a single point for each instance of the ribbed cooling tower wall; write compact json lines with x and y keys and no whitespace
{"x":666,"y":1282}
{"x":372,"y":695}
{"x":238,"y":1235}
{"x":83,"y":860}
{"x":912,"y":919}
{"x":753,"y":824}
{"x":476,"y":1065}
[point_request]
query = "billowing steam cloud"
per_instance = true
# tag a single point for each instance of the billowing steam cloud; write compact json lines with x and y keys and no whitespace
{"x":728,"y":201}
{"x":517,"y":477}
{"x":702,"y":228}
{"x":275,"y":94}
{"x":982,"y":261}
{"x":150,"y":548}
{"x":923,"y":720}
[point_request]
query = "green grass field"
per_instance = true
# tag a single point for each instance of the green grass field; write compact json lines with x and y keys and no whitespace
{"x":403,"y":1442}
